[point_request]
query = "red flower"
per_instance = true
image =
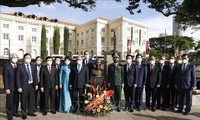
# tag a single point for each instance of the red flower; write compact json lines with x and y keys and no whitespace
{"x":95,"y":92}
{"x":102,"y":89}
{"x":91,"y":88}
{"x":104,"y":84}
{"x":95,"y":82}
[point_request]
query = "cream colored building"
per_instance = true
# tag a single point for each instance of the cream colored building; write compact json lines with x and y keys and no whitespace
{"x":97,"y":36}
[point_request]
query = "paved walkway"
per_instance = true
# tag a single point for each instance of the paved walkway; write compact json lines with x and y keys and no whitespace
{"x":136,"y":115}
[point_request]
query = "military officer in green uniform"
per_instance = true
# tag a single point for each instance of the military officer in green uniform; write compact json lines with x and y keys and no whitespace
{"x":115,"y":80}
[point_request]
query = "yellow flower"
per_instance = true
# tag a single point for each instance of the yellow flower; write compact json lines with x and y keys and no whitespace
{"x":106,"y":108}
{"x":104,"y":91}
{"x":97,"y":96}
{"x":86,"y":101}
{"x":100,"y":106}
{"x":88,"y":94}
{"x":98,"y":110}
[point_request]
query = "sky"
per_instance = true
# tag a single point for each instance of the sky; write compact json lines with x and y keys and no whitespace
{"x":109,"y":9}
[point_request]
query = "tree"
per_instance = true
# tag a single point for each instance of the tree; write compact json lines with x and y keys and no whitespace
{"x":44,"y":51}
{"x":66,"y":41}
{"x":172,"y":42}
{"x":56,"y":40}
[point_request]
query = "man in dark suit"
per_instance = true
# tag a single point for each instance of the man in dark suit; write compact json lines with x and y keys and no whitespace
{"x":152,"y":83}
{"x":9,"y":80}
{"x":79,"y":78}
{"x":49,"y":84}
{"x":130,"y":83}
{"x":116,"y":80}
{"x":171,"y":76}
{"x":141,"y":81}
{"x":57,"y":63}
{"x":185,"y":83}
{"x":88,"y":62}
{"x":162,"y":91}
{"x":27,"y":83}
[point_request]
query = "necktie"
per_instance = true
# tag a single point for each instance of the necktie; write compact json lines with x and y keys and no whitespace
{"x":15,"y":66}
{"x":151,"y":67}
{"x":184,"y":67}
{"x":79,"y":68}
{"x":29,"y":73}
{"x":49,"y":70}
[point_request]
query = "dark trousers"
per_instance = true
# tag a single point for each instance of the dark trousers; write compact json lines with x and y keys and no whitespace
{"x":49,"y":93}
{"x":158,"y":97}
{"x":129,"y":93}
{"x":173,"y":97}
{"x":150,"y":92}
{"x":138,"y":97}
{"x":57,"y":99}
{"x":163,"y":97}
{"x":78,"y":93}
{"x":187,"y":95}
{"x":27,"y":100}
{"x":12,"y":103}
{"x":41,"y":99}
{"x":116,"y":99}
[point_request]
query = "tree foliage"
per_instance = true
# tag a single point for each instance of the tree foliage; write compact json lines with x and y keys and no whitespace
{"x":56,"y":40}
{"x":171,"y":42}
{"x":44,"y":51}
{"x":66,"y":41}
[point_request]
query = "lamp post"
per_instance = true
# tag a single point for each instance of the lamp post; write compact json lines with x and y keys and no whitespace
{"x":114,"y":38}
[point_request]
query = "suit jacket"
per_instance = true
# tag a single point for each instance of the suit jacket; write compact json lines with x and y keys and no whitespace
{"x":22,"y":76}
{"x":171,"y":75}
{"x":163,"y":76}
{"x":152,"y":76}
{"x":130,"y":76}
{"x":47,"y":80}
{"x":9,"y":77}
{"x":78,"y":80}
{"x":115,"y":74}
{"x":142,"y":75}
{"x":186,"y":79}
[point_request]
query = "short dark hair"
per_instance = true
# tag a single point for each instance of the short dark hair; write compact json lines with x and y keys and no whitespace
{"x":57,"y":57}
{"x":49,"y":57}
{"x":184,"y":55}
{"x":86,"y":51}
{"x":38,"y":57}
{"x":67,"y":57}
{"x":129,"y":56}
{"x":26,"y":54}
{"x":138,"y":55}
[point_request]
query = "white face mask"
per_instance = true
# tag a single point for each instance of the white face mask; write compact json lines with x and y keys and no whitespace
{"x":87,"y":56}
{"x":179,"y":61}
{"x":128,"y":61}
{"x":152,"y":62}
{"x":27,"y":61}
{"x":184,"y":61}
{"x":67,"y":62}
{"x":14,"y":60}
{"x":171,"y":61}
{"x":79,"y":62}
{"x":38,"y":62}
{"x":57,"y":62}
{"x":162,"y":61}
{"x":139,"y":60}
{"x":49,"y":63}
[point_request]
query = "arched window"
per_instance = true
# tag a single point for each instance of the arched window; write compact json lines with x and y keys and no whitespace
{"x":6,"y":52}
{"x":21,"y":53}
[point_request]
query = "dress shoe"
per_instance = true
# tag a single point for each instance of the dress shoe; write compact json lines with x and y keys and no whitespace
{"x":178,"y":111}
{"x":146,"y":108}
{"x":139,"y":109}
{"x":53,"y":112}
{"x":44,"y":113}
{"x":125,"y":109}
{"x":24,"y":117}
{"x":118,"y":110}
{"x":32,"y":114}
{"x":172,"y":109}
{"x":186,"y":113}
{"x":131,"y":110}
{"x":10,"y":118}
{"x":74,"y":110}
{"x":16,"y":115}
{"x":153,"y":109}
{"x":164,"y":109}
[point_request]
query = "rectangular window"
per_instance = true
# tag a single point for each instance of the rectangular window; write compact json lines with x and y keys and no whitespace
{"x":128,"y":29}
{"x":5,"y":36}
{"x":77,"y":34}
{"x":77,"y":43}
{"x":34,"y":38}
{"x":102,"y":39}
{"x":34,"y":29}
{"x":5,"y":25}
{"x":20,"y":28}
{"x":103,"y":30}
{"x":87,"y":31}
{"x":21,"y":38}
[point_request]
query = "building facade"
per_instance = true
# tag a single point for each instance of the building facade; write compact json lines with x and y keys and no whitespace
{"x":21,"y":33}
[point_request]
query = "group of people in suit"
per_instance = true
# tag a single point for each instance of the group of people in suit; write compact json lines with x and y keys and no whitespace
{"x":60,"y":87}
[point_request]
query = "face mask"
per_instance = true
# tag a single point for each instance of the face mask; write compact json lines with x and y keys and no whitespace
{"x":179,"y":61}
{"x":14,"y":60}
{"x":139,"y":60}
{"x":87,"y":56}
{"x":171,"y":61}
{"x":79,"y":62}
{"x":128,"y":61}
{"x":67,"y":62}
{"x":162,"y":61}
{"x":116,"y":61}
{"x":27,"y":61}
{"x":57,"y":62}
{"x":184,"y":61}
{"x":152,"y":62}
{"x":49,"y":63}
{"x":38,"y":62}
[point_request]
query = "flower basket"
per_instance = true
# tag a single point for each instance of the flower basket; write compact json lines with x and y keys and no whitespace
{"x":98,"y":102}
